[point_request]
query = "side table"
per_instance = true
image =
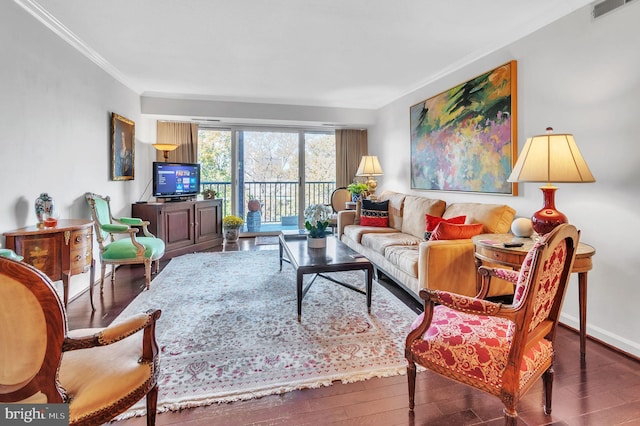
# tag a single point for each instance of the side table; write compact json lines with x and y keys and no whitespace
{"x":60,"y":251}
{"x":489,"y":248}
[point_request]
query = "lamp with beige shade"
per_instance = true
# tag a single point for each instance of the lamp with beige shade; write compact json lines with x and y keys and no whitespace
{"x":370,"y":167}
{"x":550,"y":158}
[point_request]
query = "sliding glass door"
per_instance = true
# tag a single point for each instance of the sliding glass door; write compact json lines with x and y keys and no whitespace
{"x":319,"y":167}
{"x":269,"y":170}
{"x":285,"y":169}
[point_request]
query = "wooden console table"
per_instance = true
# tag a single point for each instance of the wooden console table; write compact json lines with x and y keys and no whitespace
{"x":514,"y":256}
{"x":59,"y":252}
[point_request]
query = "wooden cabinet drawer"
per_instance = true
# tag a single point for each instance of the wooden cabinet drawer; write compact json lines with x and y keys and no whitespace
{"x":499,"y":256}
{"x":80,"y":239}
{"x":79,"y":260}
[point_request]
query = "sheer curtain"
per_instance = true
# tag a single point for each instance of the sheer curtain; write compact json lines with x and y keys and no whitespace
{"x":185,"y":135}
{"x":351,"y":145}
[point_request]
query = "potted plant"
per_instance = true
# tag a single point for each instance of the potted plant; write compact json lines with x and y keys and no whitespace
{"x":231,"y":225}
{"x":357,"y":190}
{"x":316,"y":222}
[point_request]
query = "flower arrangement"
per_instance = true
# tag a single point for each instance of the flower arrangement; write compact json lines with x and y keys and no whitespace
{"x":317,"y":219}
{"x":232,"y":222}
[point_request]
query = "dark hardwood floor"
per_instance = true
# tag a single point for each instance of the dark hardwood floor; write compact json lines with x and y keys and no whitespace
{"x":605,"y":390}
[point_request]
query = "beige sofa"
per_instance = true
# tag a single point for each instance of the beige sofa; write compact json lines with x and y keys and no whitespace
{"x":401,"y":252}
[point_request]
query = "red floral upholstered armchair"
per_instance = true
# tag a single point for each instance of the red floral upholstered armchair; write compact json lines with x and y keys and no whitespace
{"x":500,"y":349}
{"x":98,"y":372}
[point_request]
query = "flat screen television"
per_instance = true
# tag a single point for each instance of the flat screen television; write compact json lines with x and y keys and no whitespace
{"x":176,"y":181}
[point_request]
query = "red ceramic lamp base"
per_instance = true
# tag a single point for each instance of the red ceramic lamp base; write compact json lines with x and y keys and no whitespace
{"x":547,"y":218}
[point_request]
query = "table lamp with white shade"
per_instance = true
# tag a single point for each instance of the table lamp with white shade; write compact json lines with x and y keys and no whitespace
{"x":370,"y":167}
{"x":550,"y":158}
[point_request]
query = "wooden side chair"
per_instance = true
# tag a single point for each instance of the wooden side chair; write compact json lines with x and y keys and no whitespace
{"x":131,"y":249}
{"x":100,"y":373}
{"x":339,"y":198}
{"x":499,"y":349}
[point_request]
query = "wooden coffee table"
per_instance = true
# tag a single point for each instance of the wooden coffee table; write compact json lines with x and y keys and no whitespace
{"x":336,"y":257}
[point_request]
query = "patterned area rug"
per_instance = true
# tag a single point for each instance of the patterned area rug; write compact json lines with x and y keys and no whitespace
{"x":229,"y":330}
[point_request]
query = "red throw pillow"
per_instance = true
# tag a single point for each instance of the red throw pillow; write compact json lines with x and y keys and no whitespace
{"x":374,"y":213}
{"x":432,"y":221}
{"x":452,"y":231}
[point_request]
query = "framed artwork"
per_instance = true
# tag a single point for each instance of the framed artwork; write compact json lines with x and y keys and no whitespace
{"x":465,"y":139}
{"x":122,"y":147}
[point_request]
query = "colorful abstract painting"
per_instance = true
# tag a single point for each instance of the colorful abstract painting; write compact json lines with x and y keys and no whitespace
{"x":464,"y":139}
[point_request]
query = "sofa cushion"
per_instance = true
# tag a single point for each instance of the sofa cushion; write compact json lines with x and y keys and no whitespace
{"x":452,"y":231}
{"x":415,"y":209}
{"x":496,"y":218}
{"x":432,"y":221}
{"x":396,"y":207}
{"x":355,"y":232}
{"x":378,"y":242}
{"x":375,"y":213}
{"x":404,"y":258}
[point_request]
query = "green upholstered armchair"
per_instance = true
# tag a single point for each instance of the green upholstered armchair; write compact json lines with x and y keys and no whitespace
{"x":130,"y":249}
{"x":99,"y":373}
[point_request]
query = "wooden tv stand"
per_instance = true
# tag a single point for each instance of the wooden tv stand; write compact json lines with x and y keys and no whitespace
{"x":185,"y":226}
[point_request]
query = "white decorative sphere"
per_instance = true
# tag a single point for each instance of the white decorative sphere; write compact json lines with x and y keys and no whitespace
{"x":521,"y":227}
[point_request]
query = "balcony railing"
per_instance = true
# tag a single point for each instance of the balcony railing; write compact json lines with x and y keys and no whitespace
{"x":279,"y":199}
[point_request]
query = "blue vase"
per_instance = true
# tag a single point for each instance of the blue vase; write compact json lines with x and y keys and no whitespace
{"x":253,"y":221}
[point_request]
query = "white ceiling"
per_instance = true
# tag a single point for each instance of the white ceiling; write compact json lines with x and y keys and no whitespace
{"x":342,"y":53}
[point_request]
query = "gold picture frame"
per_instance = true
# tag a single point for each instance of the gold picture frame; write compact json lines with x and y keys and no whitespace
{"x":465,"y":138}
{"x":122,"y":147}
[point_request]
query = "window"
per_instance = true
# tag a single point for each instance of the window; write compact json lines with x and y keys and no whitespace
{"x":267,"y":164}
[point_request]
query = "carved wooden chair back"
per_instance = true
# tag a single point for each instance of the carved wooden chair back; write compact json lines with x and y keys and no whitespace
{"x":339,"y":198}
{"x":131,"y":248}
{"x":42,"y":362}
{"x":101,"y":213}
{"x":32,"y":330}
{"x":500,"y":349}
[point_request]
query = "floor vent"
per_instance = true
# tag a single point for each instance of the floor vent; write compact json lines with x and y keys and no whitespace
{"x":607,"y":6}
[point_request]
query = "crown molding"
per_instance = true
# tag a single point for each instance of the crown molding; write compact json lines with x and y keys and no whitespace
{"x":559,"y":11}
{"x":58,"y":28}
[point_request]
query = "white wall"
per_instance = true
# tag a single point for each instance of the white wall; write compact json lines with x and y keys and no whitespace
{"x":583,"y":77}
{"x":55,"y":109}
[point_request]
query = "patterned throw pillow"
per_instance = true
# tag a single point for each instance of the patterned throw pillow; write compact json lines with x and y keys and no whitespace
{"x":432,"y":221}
{"x":451,"y":231}
{"x":374,"y":213}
